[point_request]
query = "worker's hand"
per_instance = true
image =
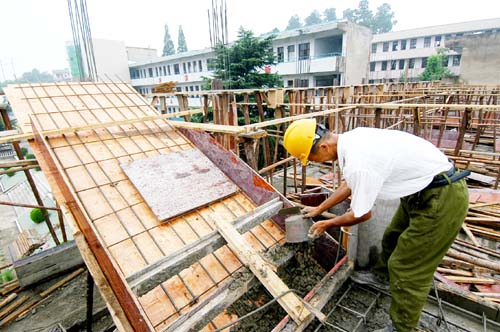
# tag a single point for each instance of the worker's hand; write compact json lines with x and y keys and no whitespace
{"x":310,"y":212}
{"x":317,"y":229}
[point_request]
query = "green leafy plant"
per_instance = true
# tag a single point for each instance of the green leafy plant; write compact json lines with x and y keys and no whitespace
{"x":37,"y":216}
{"x":10,"y":174}
{"x":24,"y":151}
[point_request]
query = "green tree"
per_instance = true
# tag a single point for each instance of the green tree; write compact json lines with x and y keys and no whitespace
{"x":168,"y":44}
{"x":382,"y":21}
{"x":248,"y":56}
{"x":313,"y":18}
{"x":181,"y":42}
{"x":35,"y":76}
{"x":330,"y":15}
{"x":294,"y":23}
{"x":435,"y":70}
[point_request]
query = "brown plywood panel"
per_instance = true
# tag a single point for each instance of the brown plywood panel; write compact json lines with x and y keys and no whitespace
{"x":187,"y":178}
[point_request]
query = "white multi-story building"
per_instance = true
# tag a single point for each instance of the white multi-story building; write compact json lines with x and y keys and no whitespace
{"x":403,"y":54}
{"x":310,"y":56}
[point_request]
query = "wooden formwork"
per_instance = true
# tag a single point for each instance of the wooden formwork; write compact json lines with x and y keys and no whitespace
{"x":116,"y":231}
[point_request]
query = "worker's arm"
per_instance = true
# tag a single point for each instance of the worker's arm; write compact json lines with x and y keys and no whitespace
{"x":347,"y":219}
{"x":341,"y":194}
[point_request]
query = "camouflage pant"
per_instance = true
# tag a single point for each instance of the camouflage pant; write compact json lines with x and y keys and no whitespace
{"x":421,"y":232}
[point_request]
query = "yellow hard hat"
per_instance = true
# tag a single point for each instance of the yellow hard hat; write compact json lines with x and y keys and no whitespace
{"x":299,"y":139}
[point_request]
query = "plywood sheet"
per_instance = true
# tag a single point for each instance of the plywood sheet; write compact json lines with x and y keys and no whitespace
{"x":178,"y":182}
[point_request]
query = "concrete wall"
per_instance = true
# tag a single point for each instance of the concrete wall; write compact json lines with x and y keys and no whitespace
{"x":356,"y":49}
{"x":140,"y":54}
{"x":111,"y":60}
{"x":480,"y":62}
{"x":370,"y":233}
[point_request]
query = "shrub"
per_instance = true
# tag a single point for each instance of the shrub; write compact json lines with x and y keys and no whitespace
{"x":7,"y":275}
{"x":24,"y":151}
{"x":30,"y":156}
{"x":10,"y":173}
{"x":37,"y":216}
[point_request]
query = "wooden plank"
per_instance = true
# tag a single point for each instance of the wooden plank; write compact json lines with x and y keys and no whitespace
{"x":48,"y":263}
{"x":163,"y":269}
{"x":129,"y":305}
{"x":470,"y":235}
{"x":262,"y":270}
{"x":13,"y":306}
{"x":472,"y":280}
{"x":61,"y":282}
{"x":8,"y":299}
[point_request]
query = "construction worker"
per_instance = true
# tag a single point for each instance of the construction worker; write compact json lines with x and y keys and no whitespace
{"x":389,"y":164}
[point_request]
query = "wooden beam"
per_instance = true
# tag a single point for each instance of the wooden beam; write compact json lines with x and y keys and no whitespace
{"x":18,"y":163}
{"x":61,"y":282}
{"x":48,"y":263}
{"x":46,"y":133}
{"x":262,"y":270}
{"x":154,"y":274}
{"x":224,"y":296}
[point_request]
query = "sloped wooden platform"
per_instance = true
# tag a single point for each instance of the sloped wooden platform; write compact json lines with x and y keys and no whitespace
{"x":123,"y":234}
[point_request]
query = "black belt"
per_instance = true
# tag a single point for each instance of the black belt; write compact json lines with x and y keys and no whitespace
{"x":442,"y":179}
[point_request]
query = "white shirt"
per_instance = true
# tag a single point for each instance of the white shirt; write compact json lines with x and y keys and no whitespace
{"x":387,"y":164}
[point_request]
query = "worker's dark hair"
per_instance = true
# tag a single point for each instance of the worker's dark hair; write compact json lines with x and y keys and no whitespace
{"x":326,"y":135}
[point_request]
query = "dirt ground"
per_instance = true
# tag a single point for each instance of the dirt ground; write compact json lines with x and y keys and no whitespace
{"x":66,"y":306}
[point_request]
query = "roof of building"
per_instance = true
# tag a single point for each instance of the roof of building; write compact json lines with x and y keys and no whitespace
{"x":493,"y":23}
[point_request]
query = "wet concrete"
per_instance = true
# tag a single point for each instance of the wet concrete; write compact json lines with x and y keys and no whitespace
{"x":302,"y":273}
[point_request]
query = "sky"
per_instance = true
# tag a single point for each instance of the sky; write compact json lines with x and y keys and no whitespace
{"x":33,"y":33}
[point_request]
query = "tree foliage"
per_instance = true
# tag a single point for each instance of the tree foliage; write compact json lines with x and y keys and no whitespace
{"x":435,"y":70}
{"x":382,"y":21}
{"x":168,"y":44}
{"x":313,"y":18}
{"x":181,"y":42}
{"x":240,"y":65}
{"x":37,"y":216}
{"x":294,"y":23}
{"x":330,"y":15}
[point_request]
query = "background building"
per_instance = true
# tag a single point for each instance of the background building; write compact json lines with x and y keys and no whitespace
{"x":399,"y":54}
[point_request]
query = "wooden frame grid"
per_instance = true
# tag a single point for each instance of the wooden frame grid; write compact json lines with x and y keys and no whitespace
{"x":123,"y":224}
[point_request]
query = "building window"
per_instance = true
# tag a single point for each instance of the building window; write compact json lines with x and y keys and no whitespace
{"x":445,"y":61}
{"x":374,"y":48}
{"x":168,"y":68}
{"x":199,"y":65}
{"x":189,"y":67}
{"x":164,"y":70}
{"x":437,"y":41}
{"x":456,"y":60}
{"x":427,"y":42}
{"x":384,"y":65}
{"x":401,"y":64}
{"x":184,"y":68}
{"x":197,"y":87}
{"x":411,"y":63}
{"x":176,"y":69}
{"x":372,"y":66}
{"x":385,"y":47}
{"x":291,"y":52}
{"x":195,"y":64}
{"x":403,"y":44}
{"x":303,"y":83}
{"x":150,"y":70}
{"x":290,"y":83}
{"x":280,"y":54}
{"x":303,"y":51}
{"x":394,"y":64}
{"x":395,"y":45}
{"x":191,"y":88}
{"x":413,"y":43}
{"x":157,"y":72}
{"x":424,"y":62}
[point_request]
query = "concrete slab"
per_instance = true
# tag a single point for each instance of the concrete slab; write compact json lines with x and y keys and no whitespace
{"x":178,"y":182}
